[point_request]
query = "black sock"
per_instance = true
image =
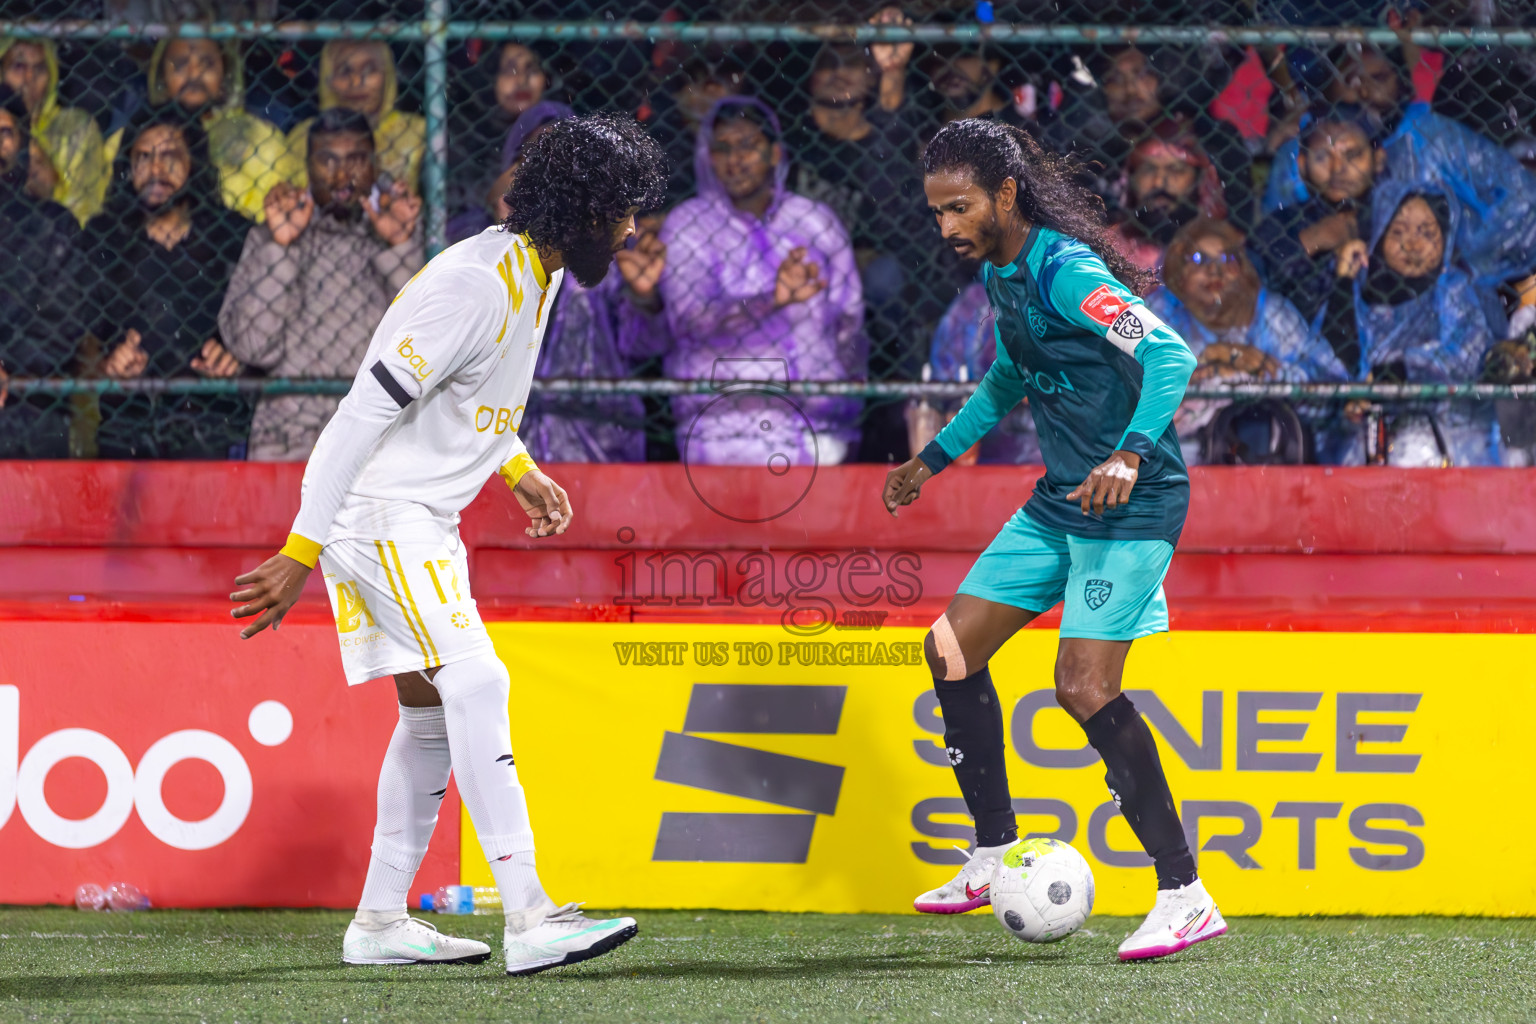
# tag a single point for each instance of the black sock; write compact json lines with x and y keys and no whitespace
{"x":1135,"y":778}
{"x":973,"y":734}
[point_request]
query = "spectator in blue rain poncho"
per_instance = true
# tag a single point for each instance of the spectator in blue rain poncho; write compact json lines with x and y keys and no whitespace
{"x":1403,"y":310}
{"x":963,"y":349}
{"x":1297,"y":244}
{"x":1496,"y":228}
{"x":1238,"y":330}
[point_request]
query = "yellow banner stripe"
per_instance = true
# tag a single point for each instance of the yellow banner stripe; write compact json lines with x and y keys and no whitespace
{"x":384,"y":561}
{"x":434,"y":660}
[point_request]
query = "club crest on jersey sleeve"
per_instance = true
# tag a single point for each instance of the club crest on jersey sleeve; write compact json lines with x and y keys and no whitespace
{"x":1102,"y":305}
{"x":1131,"y":327}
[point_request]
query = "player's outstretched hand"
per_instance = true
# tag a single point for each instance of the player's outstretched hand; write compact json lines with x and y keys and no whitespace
{"x":1110,"y":483}
{"x":904,"y":483}
{"x":269,"y":591}
{"x":545,"y":502}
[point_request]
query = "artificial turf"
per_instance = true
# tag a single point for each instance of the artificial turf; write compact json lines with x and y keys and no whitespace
{"x":60,"y":964}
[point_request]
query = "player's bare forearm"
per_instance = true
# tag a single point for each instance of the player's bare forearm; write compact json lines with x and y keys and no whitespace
{"x":1109,"y":485}
{"x":268,"y":592}
{"x":904,"y":483}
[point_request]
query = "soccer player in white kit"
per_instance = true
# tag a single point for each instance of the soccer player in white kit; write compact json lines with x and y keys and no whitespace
{"x":432,"y":414}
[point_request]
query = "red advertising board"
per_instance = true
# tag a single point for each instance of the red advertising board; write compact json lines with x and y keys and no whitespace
{"x":205,"y":770}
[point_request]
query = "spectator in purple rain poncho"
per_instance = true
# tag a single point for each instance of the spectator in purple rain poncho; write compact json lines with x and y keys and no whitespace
{"x":590,"y":331}
{"x":759,"y":284}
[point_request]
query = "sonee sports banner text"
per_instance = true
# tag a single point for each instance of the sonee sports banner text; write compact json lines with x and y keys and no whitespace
{"x":722,"y":766}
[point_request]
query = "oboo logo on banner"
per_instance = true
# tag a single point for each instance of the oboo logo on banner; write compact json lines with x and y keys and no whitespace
{"x":129,"y":789}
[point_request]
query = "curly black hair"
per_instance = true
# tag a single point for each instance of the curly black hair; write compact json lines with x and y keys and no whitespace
{"x":1049,"y":194}
{"x":583,"y":174}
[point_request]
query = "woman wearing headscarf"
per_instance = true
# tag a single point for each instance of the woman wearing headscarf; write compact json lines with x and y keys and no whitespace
{"x":1404,"y":310}
{"x":359,"y":74}
{"x":1496,"y":232}
{"x":507,"y":81}
{"x":1238,"y":330}
{"x":77,"y":158}
{"x":760,"y":285}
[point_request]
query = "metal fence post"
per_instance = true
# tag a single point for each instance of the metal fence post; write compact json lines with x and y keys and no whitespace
{"x":434,"y":170}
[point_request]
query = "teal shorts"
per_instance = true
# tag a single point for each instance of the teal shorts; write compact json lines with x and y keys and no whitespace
{"x":1112,"y":589}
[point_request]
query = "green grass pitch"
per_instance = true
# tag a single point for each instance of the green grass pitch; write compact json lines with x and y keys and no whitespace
{"x":61,"y":964}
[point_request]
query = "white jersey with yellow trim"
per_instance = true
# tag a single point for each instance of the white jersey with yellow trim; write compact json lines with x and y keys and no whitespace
{"x":446,"y":379}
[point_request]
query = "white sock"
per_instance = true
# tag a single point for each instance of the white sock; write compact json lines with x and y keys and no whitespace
{"x":480,"y":736}
{"x":982,"y":852}
{"x":518,"y":880}
{"x":412,"y":782}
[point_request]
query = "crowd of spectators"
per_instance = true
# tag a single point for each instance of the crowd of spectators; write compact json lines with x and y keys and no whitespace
{"x":1340,"y":214}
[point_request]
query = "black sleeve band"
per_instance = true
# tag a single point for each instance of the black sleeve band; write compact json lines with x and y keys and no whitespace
{"x":934,"y":457}
{"x":391,"y":386}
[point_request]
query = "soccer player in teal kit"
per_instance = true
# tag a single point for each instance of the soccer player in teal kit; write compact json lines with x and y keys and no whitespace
{"x":1103,"y":377}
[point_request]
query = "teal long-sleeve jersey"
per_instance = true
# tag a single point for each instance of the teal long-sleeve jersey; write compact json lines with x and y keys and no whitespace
{"x":1101,"y":372}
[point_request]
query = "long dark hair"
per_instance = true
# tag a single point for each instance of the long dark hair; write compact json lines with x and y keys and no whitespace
{"x":1049,"y":194}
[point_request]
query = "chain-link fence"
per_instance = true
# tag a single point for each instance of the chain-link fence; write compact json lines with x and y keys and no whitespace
{"x":207,"y":207}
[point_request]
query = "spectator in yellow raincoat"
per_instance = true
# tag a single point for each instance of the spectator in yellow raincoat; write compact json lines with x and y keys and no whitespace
{"x":359,"y":74}
{"x":249,"y":153}
{"x":68,"y":136}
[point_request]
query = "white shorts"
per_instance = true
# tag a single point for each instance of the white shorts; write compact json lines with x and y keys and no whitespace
{"x":402,"y":605}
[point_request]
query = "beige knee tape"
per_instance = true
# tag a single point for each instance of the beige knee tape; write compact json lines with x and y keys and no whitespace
{"x":947,"y":647}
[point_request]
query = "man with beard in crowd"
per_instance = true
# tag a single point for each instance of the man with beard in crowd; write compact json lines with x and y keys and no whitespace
{"x":160,"y":255}
{"x":1169,"y":180}
{"x":315,"y":279}
{"x":207,"y":81}
{"x":39,"y":296}
{"x":1141,"y":92}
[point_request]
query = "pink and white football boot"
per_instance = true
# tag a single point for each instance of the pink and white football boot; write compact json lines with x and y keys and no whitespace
{"x":965,"y":892}
{"x":1179,"y":919}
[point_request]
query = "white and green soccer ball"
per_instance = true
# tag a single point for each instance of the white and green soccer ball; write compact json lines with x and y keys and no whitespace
{"x":1042,"y":891}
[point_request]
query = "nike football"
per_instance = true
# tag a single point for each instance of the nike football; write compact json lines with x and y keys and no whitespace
{"x":1042,"y":891}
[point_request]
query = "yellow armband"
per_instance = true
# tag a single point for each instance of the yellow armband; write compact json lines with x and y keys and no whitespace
{"x":515,"y":470}
{"x":302,"y":550}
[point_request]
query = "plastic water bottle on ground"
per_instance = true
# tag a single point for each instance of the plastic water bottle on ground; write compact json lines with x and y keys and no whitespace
{"x":467,"y":899}
{"x":125,"y":896}
{"x":90,"y":896}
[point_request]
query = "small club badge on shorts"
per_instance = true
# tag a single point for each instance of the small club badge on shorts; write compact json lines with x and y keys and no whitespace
{"x":1096,"y":592}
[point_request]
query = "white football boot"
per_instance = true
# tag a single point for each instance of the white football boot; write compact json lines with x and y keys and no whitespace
{"x":550,"y":936}
{"x":409,"y":941}
{"x":1179,"y":919}
{"x":967,"y":891}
